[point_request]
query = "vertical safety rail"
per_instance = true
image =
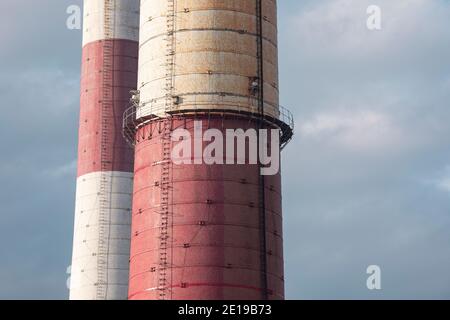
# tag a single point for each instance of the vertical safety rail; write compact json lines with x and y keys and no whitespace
{"x":261,"y":121}
{"x":170,"y":54}
{"x":107,"y":119}
{"x":166,"y":236}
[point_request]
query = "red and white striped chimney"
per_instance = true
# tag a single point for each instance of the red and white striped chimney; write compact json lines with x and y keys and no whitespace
{"x":100,"y":261}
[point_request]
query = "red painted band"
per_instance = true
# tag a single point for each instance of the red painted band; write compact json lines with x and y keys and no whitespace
{"x":213,"y":245}
{"x":101,"y":113}
{"x":221,"y":285}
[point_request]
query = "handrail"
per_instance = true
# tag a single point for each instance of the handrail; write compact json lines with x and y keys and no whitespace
{"x":133,"y":118}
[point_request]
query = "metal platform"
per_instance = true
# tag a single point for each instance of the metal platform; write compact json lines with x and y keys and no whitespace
{"x":132,"y":121}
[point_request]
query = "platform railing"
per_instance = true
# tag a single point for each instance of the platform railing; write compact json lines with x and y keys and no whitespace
{"x":136,"y":116}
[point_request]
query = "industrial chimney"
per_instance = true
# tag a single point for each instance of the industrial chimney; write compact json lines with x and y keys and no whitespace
{"x":205,"y":231}
{"x":101,"y":242}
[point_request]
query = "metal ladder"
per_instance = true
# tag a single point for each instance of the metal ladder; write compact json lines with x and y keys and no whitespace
{"x":261,"y":179}
{"x":165,"y":236}
{"x":164,"y":278}
{"x":106,"y":156}
{"x":170,"y":53}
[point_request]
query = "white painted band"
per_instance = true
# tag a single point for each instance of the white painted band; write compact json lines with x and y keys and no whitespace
{"x":123,"y":22}
{"x":103,"y":203}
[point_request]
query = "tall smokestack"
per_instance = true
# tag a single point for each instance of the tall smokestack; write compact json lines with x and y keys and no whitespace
{"x":204,"y":231}
{"x":101,"y":242}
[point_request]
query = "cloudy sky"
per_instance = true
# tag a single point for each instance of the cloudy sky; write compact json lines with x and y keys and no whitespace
{"x":366,"y":179}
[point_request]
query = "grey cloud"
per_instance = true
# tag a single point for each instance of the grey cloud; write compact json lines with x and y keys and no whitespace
{"x":372,"y":108}
{"x":39,"y":86}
